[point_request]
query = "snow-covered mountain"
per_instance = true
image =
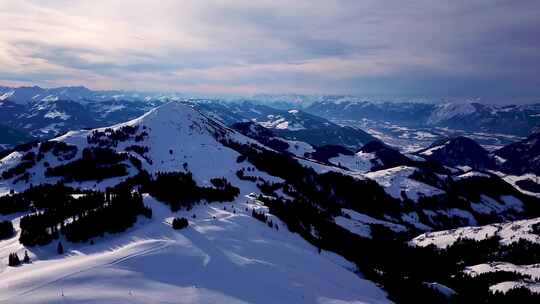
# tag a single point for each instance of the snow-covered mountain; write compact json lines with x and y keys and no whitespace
{"x":448,"y":111}
{"x":517,"y":120}
{"x":226,"y":255}
{"x":153,"y":131}
{"x":282,"y":200}
{"x":507,"y":233}
{"x":459,"y":152}
{"x":521,"y":157}
{"x":200,"y":142}
{"x":506,"y":264}
{"x":46,"y":113}
{"x":26,"y":95}
{"x":292,"y":124}
{"x":385,"y":157}
{"x":285,"y":101}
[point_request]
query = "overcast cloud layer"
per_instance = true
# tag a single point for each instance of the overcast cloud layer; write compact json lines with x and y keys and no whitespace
{"x":484,"y":48}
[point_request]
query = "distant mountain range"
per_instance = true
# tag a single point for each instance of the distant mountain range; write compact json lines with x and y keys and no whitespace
{"x":26,"y":95}
{"x":256,"y":200}
{"x":40,"y":113}
{"x":45,"y":113}
{"x":517,"y":120}
{"x":28,"y":113}
{"x":290,"y":124}
{"x":179,"y":135}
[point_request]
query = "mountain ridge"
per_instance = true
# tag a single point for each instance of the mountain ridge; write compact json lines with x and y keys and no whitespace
{"x":176,"y":162}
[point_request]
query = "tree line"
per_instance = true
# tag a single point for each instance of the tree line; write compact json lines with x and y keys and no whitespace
{"x":179,"y":190}
{"x":78,"y":214}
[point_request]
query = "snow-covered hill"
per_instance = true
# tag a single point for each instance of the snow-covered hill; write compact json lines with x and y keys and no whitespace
{"x":397,"y":183}
{"x":507,"y":232}
{"x":224,"y":256}
{"x":521,"y":157}
{"x":28,"y":95}
{"x":448,"y":111}
{"x":459,"y":152}
{"x":506,"y":264}
{"x":46,"y":113}
{"x":532,"y":271}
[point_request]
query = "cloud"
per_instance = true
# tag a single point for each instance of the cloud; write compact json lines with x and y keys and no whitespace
{"x":418,"y":47}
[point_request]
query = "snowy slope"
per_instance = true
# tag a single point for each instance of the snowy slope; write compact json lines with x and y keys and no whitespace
{"x":224,"y":256}
{"x":449,"y":111}
{"x":177,"y":134}
{"x":521,"y":157}
{"x":459,"y":152}
{"x":359,"y":162}
{"x":27,"y":95}
{"x":532,"y":270}
{"x":517,"y":182}
{"x":359,"y":223}
{"x":508,"y":232}
{"x":292,"y":124}
{"x":231,"y":258}
{"x":396,"y":180}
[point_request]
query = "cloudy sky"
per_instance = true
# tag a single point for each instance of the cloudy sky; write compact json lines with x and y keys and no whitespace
{"x":460,"y":48}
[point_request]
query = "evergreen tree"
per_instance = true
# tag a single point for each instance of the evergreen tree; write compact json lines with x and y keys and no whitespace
{"x":180,"y":223}
{"x":60,"y":248}
{"x":6,"y":229}
{"x":13,"y":260}
{"x":26,"y":258}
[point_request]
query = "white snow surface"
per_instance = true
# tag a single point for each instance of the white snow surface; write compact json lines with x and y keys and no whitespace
{"x":532,"y":270}
{"x":513,"y":179}
{"x":445,"y":290}
{"x":359,"y":223}
{"x":508,"y":232}
{"x":450,"y":110}
{"x":299,"y":148}
{"x":177,"y":134}
{"x":280,"y":123}
{"x":395,"y":180}
{"x":6,"y":95}
{"x":471,"y":174}
{"x":430,"y":151}
{"x":359,"y":162}
{"x":232,"y":258}
{"x":506,"y":286}
{"x":57,"y":114}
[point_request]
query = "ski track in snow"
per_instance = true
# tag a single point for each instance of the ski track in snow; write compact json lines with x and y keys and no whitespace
{"x":230,"y":259}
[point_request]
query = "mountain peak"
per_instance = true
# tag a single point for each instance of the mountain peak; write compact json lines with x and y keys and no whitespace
{"x":447,"y":111}
{"x":459,"y":151}
{"x":178,"y":115}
